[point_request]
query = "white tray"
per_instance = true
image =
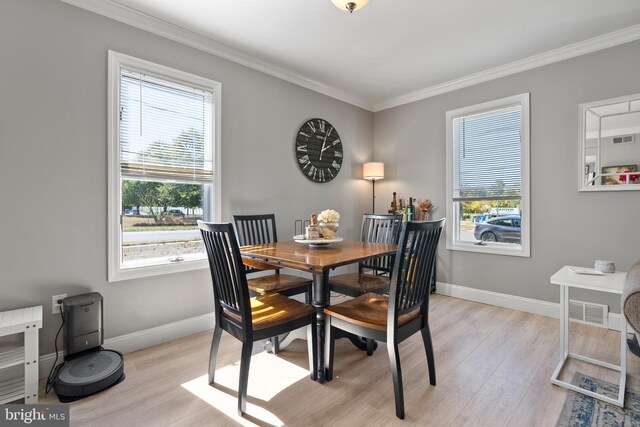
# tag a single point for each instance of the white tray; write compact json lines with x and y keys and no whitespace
{"x":587,"y":271}
{"x":318,"y":242}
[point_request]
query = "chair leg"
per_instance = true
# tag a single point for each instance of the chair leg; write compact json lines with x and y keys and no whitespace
{"x":245,"y":361}
{"x":428,"y":348}
{"x":215,"y":343}
{"x":312,"y":349}
{"x":396,"y":374}
{"x":329,"y":348}
{"x":370,"y":343}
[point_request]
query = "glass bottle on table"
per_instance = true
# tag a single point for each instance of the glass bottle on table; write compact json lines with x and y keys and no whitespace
{"x":410,"y":210}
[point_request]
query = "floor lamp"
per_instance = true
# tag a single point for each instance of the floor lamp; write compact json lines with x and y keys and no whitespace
{"x":373,"y":171}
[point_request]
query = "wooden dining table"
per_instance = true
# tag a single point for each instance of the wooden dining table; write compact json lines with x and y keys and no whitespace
{"x":318,"y":261}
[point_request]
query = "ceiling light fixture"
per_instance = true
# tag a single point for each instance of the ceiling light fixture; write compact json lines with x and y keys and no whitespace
{"x":350,"y":5}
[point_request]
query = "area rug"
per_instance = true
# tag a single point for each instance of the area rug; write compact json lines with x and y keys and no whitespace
{"x":584,"y":411}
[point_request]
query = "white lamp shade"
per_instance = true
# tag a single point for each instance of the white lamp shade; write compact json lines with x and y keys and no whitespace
{"x":343,"y":4}
{"x":373,"y":171}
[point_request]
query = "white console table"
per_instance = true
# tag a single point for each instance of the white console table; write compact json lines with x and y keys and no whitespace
{"x":610,"y":283}
{"x":25,"y":321}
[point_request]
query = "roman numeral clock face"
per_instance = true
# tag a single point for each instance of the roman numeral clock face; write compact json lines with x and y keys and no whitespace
{"x":319,"y":150}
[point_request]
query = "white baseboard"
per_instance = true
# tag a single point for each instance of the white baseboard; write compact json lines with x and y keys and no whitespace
{"x":182,"y":328}
{"x":143,"y":339}
{"x":529,"y":305}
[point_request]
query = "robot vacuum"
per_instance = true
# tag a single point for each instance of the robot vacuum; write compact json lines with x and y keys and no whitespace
{"x":88,"y":368}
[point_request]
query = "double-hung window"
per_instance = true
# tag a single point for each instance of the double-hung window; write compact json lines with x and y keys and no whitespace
{"x":163,"y":167}
{"x":488,"y":177}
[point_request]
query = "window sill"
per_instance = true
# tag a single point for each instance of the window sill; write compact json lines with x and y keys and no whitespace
{"x":150,"y":270}
{"x":620,"y":187}
{"x":489,"y":249}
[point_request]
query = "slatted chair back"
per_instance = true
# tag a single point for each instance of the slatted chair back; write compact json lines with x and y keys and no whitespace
{"x":230,"y":288}
{"x":255,"y":230}
{"x":380,"y":229}
{"x":414,"y":263}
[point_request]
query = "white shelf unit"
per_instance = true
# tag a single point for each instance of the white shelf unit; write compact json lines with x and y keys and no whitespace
{"x":25,"y":321}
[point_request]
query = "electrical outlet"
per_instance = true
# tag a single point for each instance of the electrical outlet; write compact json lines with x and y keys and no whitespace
{"x":54,"y":303}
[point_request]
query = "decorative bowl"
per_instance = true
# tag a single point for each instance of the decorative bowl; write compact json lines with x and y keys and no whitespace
{"x":328,"y":229}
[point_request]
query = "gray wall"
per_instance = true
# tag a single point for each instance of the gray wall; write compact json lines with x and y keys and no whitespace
{"x":567,"y":227}
{"x":53,"y":165}
{"x":53,"y":161}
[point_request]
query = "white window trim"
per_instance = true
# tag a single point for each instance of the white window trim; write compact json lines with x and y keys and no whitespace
{"x":453,"y":243}
{"x":114,"y":237}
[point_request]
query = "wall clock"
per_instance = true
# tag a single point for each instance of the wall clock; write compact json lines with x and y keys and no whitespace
{"x":319,"y":150}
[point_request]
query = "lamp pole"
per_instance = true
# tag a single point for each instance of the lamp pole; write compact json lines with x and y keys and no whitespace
{"x":373,"y":207}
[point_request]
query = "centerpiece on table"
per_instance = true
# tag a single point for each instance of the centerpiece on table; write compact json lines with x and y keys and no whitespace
{"x":328,"y":223}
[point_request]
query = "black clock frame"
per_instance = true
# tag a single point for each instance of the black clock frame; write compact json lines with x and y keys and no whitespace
{"x":318,"y":150}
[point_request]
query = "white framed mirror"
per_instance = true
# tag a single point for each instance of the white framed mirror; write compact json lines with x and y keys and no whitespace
{"x":610,"y":144}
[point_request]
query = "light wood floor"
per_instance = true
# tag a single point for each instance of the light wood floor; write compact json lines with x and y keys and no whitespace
{"x":493,"y":367}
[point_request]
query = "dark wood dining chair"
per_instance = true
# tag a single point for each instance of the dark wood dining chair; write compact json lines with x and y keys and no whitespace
{"x":395,"y":318}
{"x":373,"y":274}
{"x":245,"y":318}
{"x":258,"y":230}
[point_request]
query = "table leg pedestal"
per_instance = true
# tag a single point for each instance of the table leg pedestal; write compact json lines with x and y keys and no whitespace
{"x":320,"y":295}
{"x":358,"y":342}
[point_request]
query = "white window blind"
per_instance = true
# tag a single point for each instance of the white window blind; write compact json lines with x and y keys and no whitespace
{"x":487,"y":161}
{"x":163,"y":129}
{"x":164,"y":137}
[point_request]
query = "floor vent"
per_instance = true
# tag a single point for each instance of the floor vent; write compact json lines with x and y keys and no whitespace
{"x":589,"y":313}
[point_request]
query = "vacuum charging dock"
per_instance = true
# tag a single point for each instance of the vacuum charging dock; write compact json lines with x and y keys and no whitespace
{"x":88,"y":368}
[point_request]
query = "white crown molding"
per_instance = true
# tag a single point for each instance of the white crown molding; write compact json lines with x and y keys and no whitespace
{"x":604,"y":41}
{"x":137,"y":19}
{"x":178,"y":34}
